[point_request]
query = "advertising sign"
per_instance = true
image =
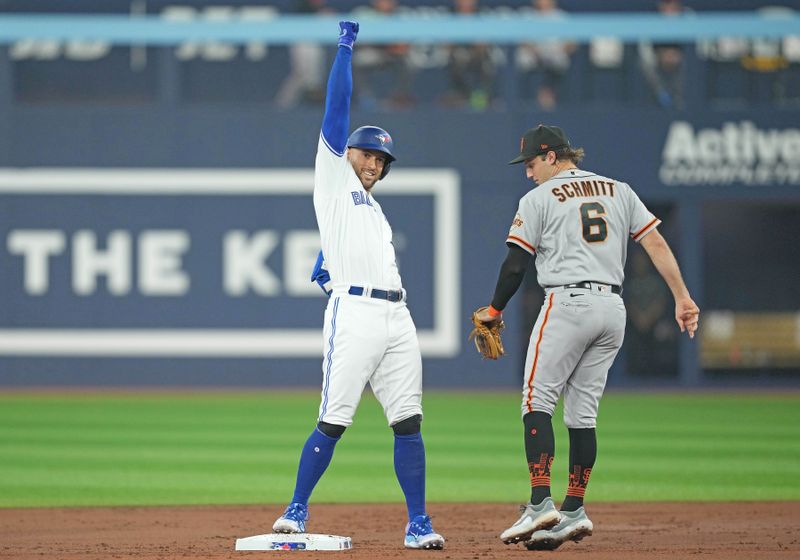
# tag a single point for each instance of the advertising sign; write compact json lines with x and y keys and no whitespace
{"x":169,"y":262}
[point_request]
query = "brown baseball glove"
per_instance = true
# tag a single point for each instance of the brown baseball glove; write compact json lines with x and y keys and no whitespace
{"x":487,"y":336}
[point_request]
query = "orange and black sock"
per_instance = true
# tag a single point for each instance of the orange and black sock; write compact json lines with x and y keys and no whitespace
{"x":540,"y":446}
{"x":582,"y":454}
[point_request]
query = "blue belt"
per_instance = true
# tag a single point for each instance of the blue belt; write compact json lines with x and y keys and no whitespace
{"x":389,"y":295}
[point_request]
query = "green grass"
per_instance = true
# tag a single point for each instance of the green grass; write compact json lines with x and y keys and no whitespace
{"x":237,"y":448}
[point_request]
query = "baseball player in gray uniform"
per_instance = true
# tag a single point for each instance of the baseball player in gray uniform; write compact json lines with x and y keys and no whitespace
{"x":577,"y":225}
{"x":369,"y":336}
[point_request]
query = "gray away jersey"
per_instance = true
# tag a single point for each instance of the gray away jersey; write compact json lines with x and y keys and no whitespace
{"x":577,"y":225}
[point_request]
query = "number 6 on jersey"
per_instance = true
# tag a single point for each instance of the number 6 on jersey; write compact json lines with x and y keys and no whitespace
{"x":595,"y":228}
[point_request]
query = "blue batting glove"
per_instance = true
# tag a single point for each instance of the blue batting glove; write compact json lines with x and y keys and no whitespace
{"x":348,"y":31}
{"x":320,"y":275}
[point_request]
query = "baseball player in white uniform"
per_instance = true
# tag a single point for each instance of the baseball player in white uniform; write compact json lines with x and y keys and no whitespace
{"x":369,"y":336}
{"x":577,"y":225}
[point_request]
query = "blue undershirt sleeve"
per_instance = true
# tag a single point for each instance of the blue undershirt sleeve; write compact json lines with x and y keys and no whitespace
{"x":336,"y":121}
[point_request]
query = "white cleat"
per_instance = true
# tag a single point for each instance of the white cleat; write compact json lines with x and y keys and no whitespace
{"x":420,"y":534}
{"x":293,"y":519}
{"x":534,"y":518}
{"x":574,"y":526}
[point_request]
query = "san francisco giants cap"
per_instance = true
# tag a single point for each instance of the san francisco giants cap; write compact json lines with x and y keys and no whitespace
{"x":540,"y":140}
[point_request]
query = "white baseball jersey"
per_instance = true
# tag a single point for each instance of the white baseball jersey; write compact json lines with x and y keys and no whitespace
{"x":365,"y":340}
{"x":356,"y":237}
{"x":577,"y":224}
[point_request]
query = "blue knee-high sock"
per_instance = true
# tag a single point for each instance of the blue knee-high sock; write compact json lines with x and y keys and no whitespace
{"x":315,"y":458}
{"x":409,"y":466}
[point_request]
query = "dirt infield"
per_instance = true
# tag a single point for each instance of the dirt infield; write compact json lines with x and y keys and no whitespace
{"x":622,"y":531}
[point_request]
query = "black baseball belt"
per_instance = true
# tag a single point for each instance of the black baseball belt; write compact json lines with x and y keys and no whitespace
{"x":588,"y":284}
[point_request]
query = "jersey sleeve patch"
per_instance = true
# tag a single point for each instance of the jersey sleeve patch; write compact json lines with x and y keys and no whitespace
{"x":521,"y":243}
{"x":646,"y":229}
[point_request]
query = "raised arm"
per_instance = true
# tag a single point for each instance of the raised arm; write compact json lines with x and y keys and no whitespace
{"x":336,"y":122}
{"x":687,"y":313}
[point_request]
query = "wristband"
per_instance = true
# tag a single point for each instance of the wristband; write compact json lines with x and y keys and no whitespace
{"x":494,"y":312}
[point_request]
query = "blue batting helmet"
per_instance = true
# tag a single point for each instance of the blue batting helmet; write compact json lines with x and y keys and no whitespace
{"x":373,"y":138}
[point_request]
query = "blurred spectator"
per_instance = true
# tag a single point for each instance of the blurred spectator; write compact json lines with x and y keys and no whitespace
{"x":306,"y":80}
{"x":754,"y":71}
{"x":383,"y":73}
{"x":547,"y":60}
{"x":663,"y":64}
{"x":772,"y":62}
{"x":471,"y":68}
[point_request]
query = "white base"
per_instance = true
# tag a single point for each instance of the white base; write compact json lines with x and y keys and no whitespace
{"x":294,"y":541}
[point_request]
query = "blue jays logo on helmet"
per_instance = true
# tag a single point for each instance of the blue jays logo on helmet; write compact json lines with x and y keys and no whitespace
{"x":373,"y":138}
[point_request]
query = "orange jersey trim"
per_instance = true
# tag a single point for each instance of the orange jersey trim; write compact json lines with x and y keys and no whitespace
{"x":518,"y":241}
{"x":529,"y":403}
{"x":645,"y":228}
